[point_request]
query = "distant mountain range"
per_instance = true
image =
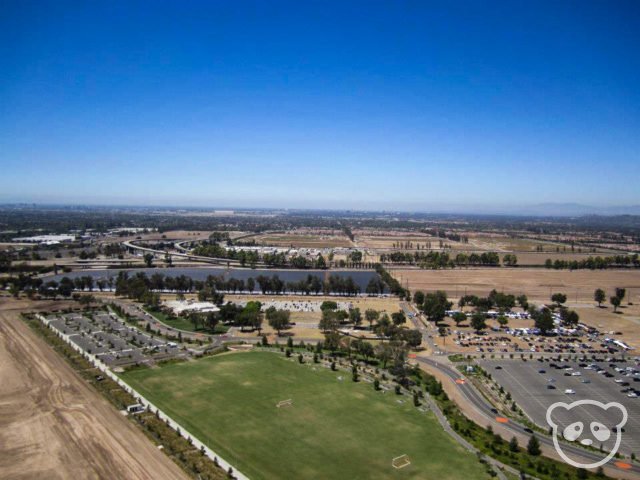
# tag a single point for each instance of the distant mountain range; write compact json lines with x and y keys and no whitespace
{"x":572,"y":210}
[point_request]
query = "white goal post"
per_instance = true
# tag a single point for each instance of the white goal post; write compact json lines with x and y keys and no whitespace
{"x":285,"y":403}
{"x":401,"y":461}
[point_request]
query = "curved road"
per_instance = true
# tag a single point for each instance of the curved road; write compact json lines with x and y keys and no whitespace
{"x":485,"y":408}
{"x":188,"y":256}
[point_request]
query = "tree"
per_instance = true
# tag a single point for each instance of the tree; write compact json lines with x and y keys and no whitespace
{"x":194,"y":318}
{"x":599,"y":296}
{"x":412,"y":337}
{"x":321,"y":262}
{"x":503,"y":321}
{"x":65,"y":287}
{"x":544,"y":321}
{"x":559,"y":298}
{"x":86,"y":300}
{"x":459,"y":317}
{"x":523,"y":301}
{"x":332,"y":341}
{"x":398,"y":318}
{"x":533,"y":447}
{"x":328,"y":305}
{"x":570,"y":318}
{"x":478,"y":322}
{"x":212,"y":321}
{"x":510,"y":260}
{"x":418,"y":298}
{"x":329,"y":321}
{"x":615,"y":301}
{"x":435,"y":306}
{"x":620,"y":293}
{"x":355,"y":316}
{"x":513,"y":445}
{"x":371,"y":315}
{"x":148,"y":259}
{"x":278,"y":319}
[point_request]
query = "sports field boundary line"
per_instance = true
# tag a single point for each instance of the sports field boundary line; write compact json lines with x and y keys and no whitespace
{"x":146,"y":403}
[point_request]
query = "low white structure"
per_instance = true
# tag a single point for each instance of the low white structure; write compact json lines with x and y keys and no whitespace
{"x":180,"y":307}
{"x":46,"y":239}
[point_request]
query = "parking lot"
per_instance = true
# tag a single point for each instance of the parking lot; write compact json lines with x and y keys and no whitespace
{"x":535,"y":385}
{"x":113,"y":341}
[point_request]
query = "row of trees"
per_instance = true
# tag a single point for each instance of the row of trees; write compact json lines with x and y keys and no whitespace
{"x":596,"y":263}
{"x":437,"y":260}
{"x":132,"y":285}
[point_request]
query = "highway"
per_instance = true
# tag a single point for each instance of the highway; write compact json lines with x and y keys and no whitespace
{"x":215,"y":261}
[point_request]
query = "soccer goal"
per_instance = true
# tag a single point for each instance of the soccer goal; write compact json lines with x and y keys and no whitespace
{"x":401,"y":461}
{"x":284,"y":403}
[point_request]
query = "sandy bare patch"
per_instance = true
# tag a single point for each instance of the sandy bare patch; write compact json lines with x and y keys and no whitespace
{"x":53,"y":425}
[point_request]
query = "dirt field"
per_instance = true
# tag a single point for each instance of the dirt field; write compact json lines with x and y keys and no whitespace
{"x":304,"y":241}
{"x":536,"y":283}
{"x":53,"y":425}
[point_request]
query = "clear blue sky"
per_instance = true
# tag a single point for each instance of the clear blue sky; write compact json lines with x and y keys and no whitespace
{"x":396,"y":104}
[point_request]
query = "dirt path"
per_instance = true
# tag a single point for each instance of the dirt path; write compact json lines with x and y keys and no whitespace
{"x":53,"y":425}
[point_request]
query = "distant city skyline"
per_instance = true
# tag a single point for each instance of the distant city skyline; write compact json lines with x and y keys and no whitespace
{"x":412,"y":106}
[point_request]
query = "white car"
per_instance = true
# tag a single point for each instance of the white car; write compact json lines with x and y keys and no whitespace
{"x":576,"y":374}
{"x":618,"y":380}
{"x":632,"y":395}
{"x":569,"y":391}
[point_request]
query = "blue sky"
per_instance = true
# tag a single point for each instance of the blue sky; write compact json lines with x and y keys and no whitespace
{"x":394,"y":105}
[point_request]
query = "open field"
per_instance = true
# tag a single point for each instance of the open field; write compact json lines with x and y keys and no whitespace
{"x":388,"y":241}
{"x":304,"y":241}
{"x":53,"y":425}
{"x":334,"y":429}
{"x":533,"y":258}
{"x":535,"y":283}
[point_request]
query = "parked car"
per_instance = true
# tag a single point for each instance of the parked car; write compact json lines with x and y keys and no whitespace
{"x":570,"y":391}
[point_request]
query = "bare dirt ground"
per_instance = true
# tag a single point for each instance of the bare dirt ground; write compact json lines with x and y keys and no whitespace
{"x":304,"y":241}
{"x":53,"y":425}
{"x":536,"y":283}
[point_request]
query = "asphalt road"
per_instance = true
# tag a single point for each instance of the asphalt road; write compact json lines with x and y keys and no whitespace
{"x":484,"y":407}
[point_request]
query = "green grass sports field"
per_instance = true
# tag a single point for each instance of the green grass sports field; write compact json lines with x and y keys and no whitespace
{"x":335,"y":429}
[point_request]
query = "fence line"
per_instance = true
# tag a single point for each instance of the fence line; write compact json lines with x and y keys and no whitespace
{"x":146,"y":403}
